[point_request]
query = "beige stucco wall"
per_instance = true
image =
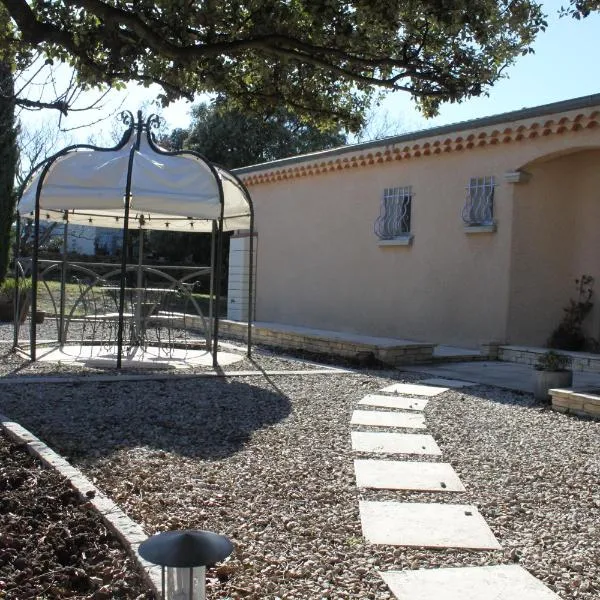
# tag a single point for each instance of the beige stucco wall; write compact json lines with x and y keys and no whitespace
{"x":319,"y":263}
{"x":556,"y":240}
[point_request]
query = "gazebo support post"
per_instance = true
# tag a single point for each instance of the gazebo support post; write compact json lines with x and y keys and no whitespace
{"x":16,"y":254}
{"x":124,"y":248}
{"x":211,"y":293}
{"x":34,"y":272}
{"x":219,"y":261}
{"x":250,"y":283}
{"x":140,"y":281}
{"x":63,"y":277}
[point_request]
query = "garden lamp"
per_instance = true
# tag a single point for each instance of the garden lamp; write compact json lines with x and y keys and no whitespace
{"x":184,"y":556}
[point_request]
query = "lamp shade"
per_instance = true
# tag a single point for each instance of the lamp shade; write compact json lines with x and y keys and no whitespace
{"x":185,"y":549}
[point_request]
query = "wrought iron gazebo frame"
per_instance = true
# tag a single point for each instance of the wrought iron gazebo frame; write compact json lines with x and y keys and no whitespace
{"x":138,"y":128}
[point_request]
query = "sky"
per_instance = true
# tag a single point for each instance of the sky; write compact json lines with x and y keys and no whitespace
{"x":565,"y":65}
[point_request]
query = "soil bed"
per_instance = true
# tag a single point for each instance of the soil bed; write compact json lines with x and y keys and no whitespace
{"x":51,"y":544}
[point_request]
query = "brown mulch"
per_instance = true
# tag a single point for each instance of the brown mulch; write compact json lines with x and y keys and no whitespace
{"x":52,"y":543}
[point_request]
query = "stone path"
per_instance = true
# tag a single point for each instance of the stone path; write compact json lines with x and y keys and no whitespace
{"x":426,"y":524}
{"x":377,"y":418}
{"x":394,"y":402}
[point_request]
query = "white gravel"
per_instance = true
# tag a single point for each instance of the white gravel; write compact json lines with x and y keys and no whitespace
{"x":270,"y":466}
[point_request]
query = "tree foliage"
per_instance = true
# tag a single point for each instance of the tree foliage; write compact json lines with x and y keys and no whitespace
{"x":234,"y":139}
{"x":579,"y":9}
{"x":320,"y":59}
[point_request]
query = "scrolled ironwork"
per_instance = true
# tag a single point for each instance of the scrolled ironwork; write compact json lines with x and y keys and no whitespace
{"x":479,"y":205}
{"x":153,"y":121}
{"x":127,"y":118}
{"x":394,"y":217}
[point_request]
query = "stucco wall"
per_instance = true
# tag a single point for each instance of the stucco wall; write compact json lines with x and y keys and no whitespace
{"x":319,"y":264}
{"x":556,"y":240}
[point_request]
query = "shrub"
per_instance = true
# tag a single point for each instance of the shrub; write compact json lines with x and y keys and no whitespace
{"x":553,"y":361}
{"x":569,"y":334}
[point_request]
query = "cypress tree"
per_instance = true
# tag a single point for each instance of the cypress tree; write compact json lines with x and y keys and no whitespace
{"x":8,"y":162}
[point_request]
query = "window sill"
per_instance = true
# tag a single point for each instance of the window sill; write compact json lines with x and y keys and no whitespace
{"x":480,"y":228}
{"x":405,"y":240}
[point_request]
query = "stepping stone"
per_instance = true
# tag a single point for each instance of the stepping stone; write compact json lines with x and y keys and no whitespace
{"x":503,"y":582}
{"x":426,"y":525}
{"x":413,"y":388}
{"x":400,"y":475}
{"x":395,"y":402}
{"x":388,"y":419}
{"x":394,"y":443}
{"x":451,"y":383}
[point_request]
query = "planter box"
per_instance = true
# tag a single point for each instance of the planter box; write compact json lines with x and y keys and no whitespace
{"x":544,"y":381}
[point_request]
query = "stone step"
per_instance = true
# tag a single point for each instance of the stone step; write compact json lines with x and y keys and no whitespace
{"x":414,"y":389}
{"x":404,"y":475}
{"x":394,"y":443}
{"x":400,"y":402}
{"x":426,"y":525}
{"x":376,"y":418}
{"x":502,"y":582}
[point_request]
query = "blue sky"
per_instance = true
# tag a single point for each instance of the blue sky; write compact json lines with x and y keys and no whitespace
{"x":565,"y":65}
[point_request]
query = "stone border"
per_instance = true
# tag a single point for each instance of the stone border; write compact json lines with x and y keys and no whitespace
{"x":332,"y":343}
{"x":580,"y":403}
{"x":127,"y":531}
{"x":528,"y":355}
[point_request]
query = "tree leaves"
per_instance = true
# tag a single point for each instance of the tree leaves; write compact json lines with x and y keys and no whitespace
{"x":321,"y":59}
{"x":232,"y":138}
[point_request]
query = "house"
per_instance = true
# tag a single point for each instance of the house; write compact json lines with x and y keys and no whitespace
{"x":461,"y":234}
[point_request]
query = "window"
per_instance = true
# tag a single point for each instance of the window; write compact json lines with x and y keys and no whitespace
{"x":479,"y":208}
{"x":394,"y":219}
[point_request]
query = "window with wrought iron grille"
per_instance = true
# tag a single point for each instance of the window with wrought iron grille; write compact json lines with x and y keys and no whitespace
{"x":394,"y":218}
{"x":479,"y":208}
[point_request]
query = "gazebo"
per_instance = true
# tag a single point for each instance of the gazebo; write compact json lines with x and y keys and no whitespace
{"x":135,"y":185}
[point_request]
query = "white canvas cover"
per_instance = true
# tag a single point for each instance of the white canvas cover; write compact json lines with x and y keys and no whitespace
{"x":178,"y":193}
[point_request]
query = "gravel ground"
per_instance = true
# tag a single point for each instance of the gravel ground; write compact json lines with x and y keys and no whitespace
{"x":51,"y":545}
{"x":269,"y":464}
{"x":262,"y":359}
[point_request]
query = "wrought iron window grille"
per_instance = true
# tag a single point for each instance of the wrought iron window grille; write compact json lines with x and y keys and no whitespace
{"x":394,"y":217}
{"x":479,"y":207}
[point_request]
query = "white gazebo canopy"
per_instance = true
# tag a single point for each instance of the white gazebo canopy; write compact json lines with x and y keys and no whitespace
{"x":169,"y":191}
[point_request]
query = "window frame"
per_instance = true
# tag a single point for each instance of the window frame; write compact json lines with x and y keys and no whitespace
{"x":478,"y":211}
{"x":395,"y":214}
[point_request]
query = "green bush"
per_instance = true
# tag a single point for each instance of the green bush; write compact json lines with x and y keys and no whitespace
{"x":7,"y":288}
{"x":553,"y":361}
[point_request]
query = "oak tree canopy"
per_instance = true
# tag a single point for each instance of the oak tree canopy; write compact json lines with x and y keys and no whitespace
{"x":325,"y":59}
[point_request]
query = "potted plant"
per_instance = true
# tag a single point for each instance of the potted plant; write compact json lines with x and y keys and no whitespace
{"x":552,"y":370}
{"x":7,"y":299}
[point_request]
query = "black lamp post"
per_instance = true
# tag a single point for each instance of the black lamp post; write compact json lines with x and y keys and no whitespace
{"x":184,"y":556}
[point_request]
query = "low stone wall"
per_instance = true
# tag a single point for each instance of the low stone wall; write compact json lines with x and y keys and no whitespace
{"x":577,"y":403}
{"x":361,"y":348}
{"x":580,"y":361}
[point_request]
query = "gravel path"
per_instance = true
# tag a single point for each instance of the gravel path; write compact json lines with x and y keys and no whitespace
{"x":270,"y":466}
